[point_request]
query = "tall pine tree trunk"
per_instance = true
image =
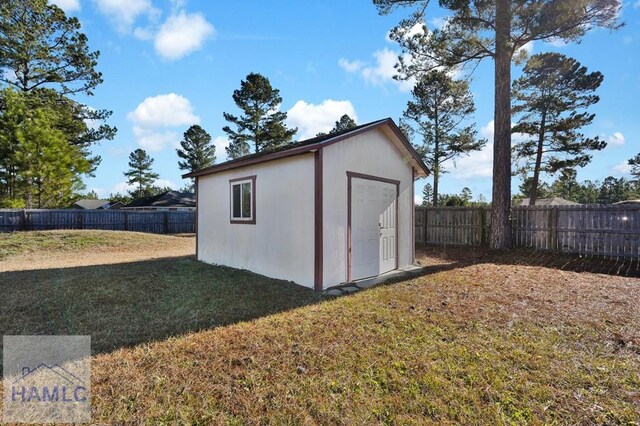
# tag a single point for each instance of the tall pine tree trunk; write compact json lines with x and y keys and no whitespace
{"x":436,"y":177}
{"x":533,"y":195}
{"x":436,"y":161}
{"x":501,"y":197}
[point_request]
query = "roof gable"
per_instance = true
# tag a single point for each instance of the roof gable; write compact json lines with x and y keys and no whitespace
{"x":313,"y":144}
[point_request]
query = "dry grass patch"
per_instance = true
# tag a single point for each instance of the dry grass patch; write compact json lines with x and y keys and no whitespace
{"x":491,"y":340}
{"x":71,"y":248}
{"x":483,"y":344}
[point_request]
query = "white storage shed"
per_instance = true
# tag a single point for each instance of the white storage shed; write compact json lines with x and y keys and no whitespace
{"x":320,"y":212}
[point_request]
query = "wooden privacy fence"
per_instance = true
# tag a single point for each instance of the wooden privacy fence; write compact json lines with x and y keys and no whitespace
{"x":584,"y":229}
{"x":158,"y":222}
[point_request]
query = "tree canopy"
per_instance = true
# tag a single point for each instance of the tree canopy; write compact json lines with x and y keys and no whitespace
{"x":551,"y":99}
{"x":38,"y":167}
{"x":344,"y":123}
{"x":635,"y":167}
{"x":196,"y":150}
{"x":261,"y":126}
{"x":140,"y":173}
{"x":44,"y":60}
{"x":440,"y":111}
{"x":476,"y":30}
{"x":41,"y":47}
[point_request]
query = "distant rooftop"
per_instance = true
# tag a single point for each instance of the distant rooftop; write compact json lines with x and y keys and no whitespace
{"x":91,"y":204}
{"x":166,"y":199}
{"x":628,"y":203}
{"x":555,"y":201}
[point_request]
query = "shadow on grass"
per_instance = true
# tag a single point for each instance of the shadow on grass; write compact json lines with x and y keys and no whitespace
{"x":443,"y":258}
{"x":126,"y":304}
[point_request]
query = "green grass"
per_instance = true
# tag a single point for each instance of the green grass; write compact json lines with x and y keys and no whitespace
{"x":16,"y":243}
{"x":181,"y":342}
{"x":130,"y":303}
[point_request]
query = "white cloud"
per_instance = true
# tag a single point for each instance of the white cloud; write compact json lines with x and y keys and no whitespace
{"x":165,"y":182}
{"x":311,"y":119}
{"x":381,"y":72}
{"x":528,"y":48}
{"x":164,"y":110}
{"x":182,"y":34}
{"x":123,"y":13}
{"x":439,"y":23}
{"x":636,"y":5}
{"x":67,"y":5}
{"x":351,"y":66}
{"x":221,"y":142}
{"x":616,"y":139}
{"x":154,"y":140}
{"x":417,"y":200}
{"x":155,"y":117}
{"x":557,"y":42}
{"x":143,"y":33}
{"x":478,"y":164}
{"x":621,"y":168}
{"x":122,"y":188}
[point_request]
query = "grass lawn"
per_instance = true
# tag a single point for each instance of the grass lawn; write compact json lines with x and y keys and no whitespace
{"x":498,"y":339}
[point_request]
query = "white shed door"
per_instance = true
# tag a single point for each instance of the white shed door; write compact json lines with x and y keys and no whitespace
{"x":373,"y":228}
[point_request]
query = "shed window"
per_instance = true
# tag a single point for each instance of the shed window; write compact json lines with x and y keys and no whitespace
{"x":243,"y":200}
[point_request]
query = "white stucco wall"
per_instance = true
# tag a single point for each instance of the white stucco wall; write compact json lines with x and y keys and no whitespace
{"x":281,"y":243}
{"x":370,"y":153}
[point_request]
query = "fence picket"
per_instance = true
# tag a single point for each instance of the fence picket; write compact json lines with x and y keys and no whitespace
{"x":159,"y":222}
{"x":603,"y":230}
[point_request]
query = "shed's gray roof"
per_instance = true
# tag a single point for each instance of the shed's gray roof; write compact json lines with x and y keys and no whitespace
{"x":313,"y":144}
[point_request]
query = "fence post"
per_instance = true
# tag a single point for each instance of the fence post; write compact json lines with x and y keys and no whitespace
{"x":481,"y":226}
{"x":126,"y":220}
{"x":554,"y":228}
{"x":24,"y":219}
{"x":165,"y":222}
{"x":79,"y":220}
{"x":424,"y":225}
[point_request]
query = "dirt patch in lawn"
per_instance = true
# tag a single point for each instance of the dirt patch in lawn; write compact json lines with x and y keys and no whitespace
{"x":66,"y":249}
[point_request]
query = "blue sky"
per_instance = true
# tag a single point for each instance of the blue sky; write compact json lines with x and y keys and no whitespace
{"x":168,"y":64}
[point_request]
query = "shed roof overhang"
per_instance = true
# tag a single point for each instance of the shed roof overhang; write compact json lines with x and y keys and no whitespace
{"x":387,"y":126}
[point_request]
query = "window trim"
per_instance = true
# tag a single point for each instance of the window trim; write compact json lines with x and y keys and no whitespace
{"x":237,"y":181}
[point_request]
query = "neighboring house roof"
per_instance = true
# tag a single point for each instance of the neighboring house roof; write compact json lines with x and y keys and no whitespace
{"x":166,"y":199}
{"x":315,"y":143}
{"x":91,"y":204}
{"x":555,"y":201}
{"x":628,"y":203}
{"x":116,"y":205}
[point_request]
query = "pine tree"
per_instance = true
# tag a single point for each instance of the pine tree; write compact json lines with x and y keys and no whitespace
{"x":38,"y":167}
{"x":551,"y":98}
{"x":635,"y":167}
{"x":466,"y":195}
{"x":45,"y":57}
{"x":140,"y":173}
{"x":344,"y":123}
{"x":439,"y":106}
{"x":566,"y":185}
{"x":196,"y":150}
{"x":261,"y":126}
{"x":497,"y":30}
{"x":427,"y":195}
